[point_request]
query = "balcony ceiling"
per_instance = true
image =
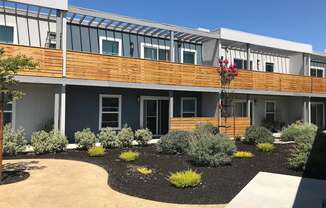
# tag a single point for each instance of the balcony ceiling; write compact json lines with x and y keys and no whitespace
{"x":104,"y":20}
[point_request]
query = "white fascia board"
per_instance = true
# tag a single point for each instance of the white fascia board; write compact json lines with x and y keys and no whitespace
{"x":53,"y":4}
{"x":260,"y":40}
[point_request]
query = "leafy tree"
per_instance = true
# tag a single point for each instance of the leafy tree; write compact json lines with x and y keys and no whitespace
{"x":9,"y":68}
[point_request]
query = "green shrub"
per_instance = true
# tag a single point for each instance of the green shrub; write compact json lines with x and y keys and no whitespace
{"x":299,"y":131}
{"x":85,"y":138}
{"x":299,"y":155}
{"x":143,"y":136}
{"x":243,"y":154}
{"x":48,"y":142}
{"x":256,"y":135}
{"x":125,"y":136}
{"x":129,"y":156}
{"x":238,"y":138}
{"x":175,"y":142}
{"x":144,"y":170}
{"x":265,"y":147}
{"x":14,"y":141}
{"x":184,"y":179}
{"x":96,"y":151}
{"x":213,"y":151}
{"x":205,"y":129}
{"x":108,"y":138}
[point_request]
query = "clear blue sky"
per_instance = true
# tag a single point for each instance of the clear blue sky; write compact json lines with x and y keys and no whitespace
{"x":296,"y":20}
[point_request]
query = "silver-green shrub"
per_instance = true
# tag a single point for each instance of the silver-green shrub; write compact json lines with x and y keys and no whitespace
{"x":85,"y":138}
{"x":298,"y":131}
{"x":48,"y":142}
{"x":143,"y":136}
{"x":14,"y":141}
{"x":258,"y":134}
{"x":214,"y":150}
{"x":126,"y":136}
{"x":205,"y":129}
{"x":175,"y":142}
{"x":108,"y":138}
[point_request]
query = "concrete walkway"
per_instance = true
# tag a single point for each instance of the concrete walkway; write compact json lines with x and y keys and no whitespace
{"x":64,"y":183}
{"x":268,"y":190}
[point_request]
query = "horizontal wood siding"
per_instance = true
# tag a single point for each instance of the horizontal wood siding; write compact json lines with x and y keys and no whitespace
{"x":233,"y":126}
{"x":123,"y":69}
{"x":50,"y":62}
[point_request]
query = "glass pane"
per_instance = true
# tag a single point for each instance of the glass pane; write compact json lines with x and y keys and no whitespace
{"x":188,"y":115}
{"x":110,"y":47}
{"x":270,"y":107}
{"x":6,"y":34}
{"x":188,"y":57}
{"x":150,"y":53}
{"x":270,"y":67}
{"x":189,"y":105}
{"x":6,"y":117}
{"x":320,"y":73}
{"x":8,"y":106}
{"x":110,"y":104}
{"x":164,"y":54}
{"x":239,"y":63}
{"x":270,"y":116}
{"x":313,"y":72}
{"x":110,"y":120}
{"x":240,"y":109}
{"x":151,"y":108}
{"x":151,"y":124}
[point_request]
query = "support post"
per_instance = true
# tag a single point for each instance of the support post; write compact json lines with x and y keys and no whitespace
{"x":172,"y":50}
{"x":171,"y":102}
{"x":64,"y":47}
{"x":308,"y":64}
{"x":56,"y":110}
{"x":63,"y":110}
{"x":59,"y":27}
{"x":309,"y":111}
{"x":248,"y":56}
{"x":249,"y":110}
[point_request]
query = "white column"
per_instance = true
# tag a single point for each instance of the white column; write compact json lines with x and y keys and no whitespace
{"x":309,"y":64}
{"x":171,"y":102}
{"x":248,"y":56}
{"x":59,"y":27}
{"x":64,"y":47}
{"x":172,"y":50}
{"x":63,"y":110}
{"x":248,"y":108}
{"x":56,"y":110}
{"x":309,"y":111}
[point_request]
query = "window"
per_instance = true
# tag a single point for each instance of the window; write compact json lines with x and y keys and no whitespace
{"x":241,"y":64}
{"x":51,"y":41}
{"x":110,"y":111}
{"x":188,"y":107}
{"x":6,"y":34}
{"x":316,"y":72}
{"x":188,"y":56}
{"x":155,"y":52}
{"x":240,"y":109}
{"x":8,"y":112}
{"x":110,"y":46}
{"x":269,"y":67}
{"x":270,"y":110}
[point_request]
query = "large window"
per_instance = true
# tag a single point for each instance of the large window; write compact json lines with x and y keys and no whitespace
{"x":110,"y":111}
{"x":270,"y":110}
{"x":269,"y":67}
{"x":6,"y":34}
{"x":188,"y":56}
{"x":241,"y":64}
{"x":110,"y":46}
{"x":155,"y":52}
{"x":317,"y":72}
{"x":188,"y":107}
{"x":240,"y":109}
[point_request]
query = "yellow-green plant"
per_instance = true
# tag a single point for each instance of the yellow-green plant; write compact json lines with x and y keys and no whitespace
{"x":145,"y":170}
{"x":265,"y":147}
{"x":243,"y":154}
{"x":184,"y":179}
{"x":129,"y":156}
{"x":96,"y":151}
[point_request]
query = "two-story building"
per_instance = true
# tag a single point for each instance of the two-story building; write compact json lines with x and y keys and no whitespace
{"x":98,"y":69}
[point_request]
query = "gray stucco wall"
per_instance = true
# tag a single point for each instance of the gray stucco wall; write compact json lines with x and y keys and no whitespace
{"x":82,"y":106}
{"x":82,"y":38}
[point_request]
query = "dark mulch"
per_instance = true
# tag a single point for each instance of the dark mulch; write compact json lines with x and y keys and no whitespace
{"x":219,"y":185}
{"x":13,"y":176}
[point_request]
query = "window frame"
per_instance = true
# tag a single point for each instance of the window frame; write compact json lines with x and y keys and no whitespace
{"x":270,"y":101}
{"x":188,"y":50}
{"x":273,"y":64}
{"x":119,"y":40}
{"x":154,"y":46}
{"x":242,"y":102}
{"x":14,"y":31}
{"x":181,"y":108}
{"x":317,"y":68}
{"x":101,"y":111}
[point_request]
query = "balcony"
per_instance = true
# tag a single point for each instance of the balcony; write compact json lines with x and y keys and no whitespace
{"x":49,"y":60}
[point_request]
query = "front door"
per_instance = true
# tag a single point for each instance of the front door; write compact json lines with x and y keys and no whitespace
{"x":155,"y":114}
{"x":317,"y":114}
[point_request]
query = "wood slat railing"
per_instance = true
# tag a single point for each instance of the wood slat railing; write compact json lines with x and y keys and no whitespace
{"x":233,"y":126}
{"x":50,"y":62}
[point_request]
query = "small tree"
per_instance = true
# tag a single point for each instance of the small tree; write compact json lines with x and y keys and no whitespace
{"x":9,"y":68}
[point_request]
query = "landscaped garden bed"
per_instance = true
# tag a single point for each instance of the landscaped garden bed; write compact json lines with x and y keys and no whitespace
{"x":219,"y":185}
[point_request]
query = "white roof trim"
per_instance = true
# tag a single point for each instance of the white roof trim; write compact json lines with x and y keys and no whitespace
{"x":234,"y":35}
